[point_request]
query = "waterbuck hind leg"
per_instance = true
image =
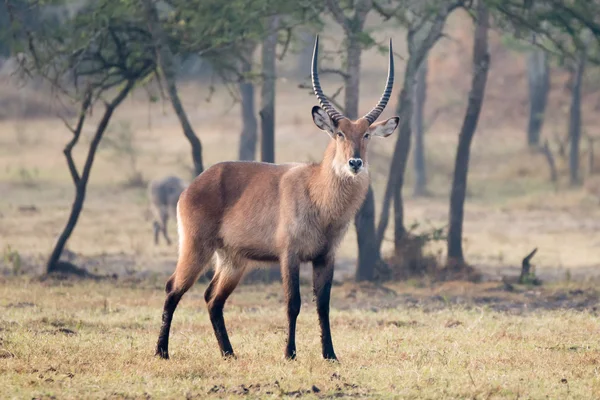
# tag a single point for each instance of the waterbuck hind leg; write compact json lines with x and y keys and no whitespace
{"x":166,"y":236}
{"x":164,"y":220}
{"x":173,"y":298}
{"x":290,"y":273}
{"x":225,"y":280}
{"x":190,"y":265}
{"x":157,"y":230}
{"x":322,"y":280}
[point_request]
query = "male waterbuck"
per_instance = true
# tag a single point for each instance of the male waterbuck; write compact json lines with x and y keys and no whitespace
{"x":163,"y":195}
{"x":289,"y":213}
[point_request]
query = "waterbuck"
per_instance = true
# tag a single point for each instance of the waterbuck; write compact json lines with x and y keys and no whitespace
{"x":288,"y":213}
{"x":163,"y":195}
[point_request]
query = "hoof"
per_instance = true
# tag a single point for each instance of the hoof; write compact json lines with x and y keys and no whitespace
{"x":162,"y":353}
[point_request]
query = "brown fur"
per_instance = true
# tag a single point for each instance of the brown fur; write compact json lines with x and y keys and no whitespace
{"x":249,"y":211}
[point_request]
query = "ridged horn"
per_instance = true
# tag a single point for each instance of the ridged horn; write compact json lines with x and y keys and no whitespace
{"x":376,"y":112}
{"x":334,"y":114}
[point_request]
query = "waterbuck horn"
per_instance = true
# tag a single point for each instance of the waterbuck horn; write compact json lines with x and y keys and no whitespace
{"x":376,"y":112}
{"x":334,"y":114}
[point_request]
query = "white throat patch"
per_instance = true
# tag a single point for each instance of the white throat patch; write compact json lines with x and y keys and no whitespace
{"x":343,"y":170}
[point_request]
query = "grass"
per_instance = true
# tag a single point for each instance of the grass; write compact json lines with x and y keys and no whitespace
{"x":79,"y":339}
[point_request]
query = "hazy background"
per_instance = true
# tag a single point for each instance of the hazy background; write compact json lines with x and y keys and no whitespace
{"x":511,"y":206}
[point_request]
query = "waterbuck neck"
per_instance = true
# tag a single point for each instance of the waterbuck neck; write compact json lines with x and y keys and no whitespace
{"x":334,"y":193}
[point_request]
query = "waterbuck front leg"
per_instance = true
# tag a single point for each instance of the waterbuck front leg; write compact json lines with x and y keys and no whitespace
{"x":322,"y":280}
{"x":290,"y":273}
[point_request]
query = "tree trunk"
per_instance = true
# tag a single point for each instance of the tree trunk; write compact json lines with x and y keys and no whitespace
{"x":481,"y":60}
{"x":81,"y":181}
{"x":364,"y":221}
{"x":267,"y":93}
{"x":368,"y":253}
{"x":399,"y":230}
{"x":575,"y":119}
{"x":249,"y":134}
{"x":167,"y":65}
{"x":538,"y":73}
{"x":420,"y":95}
{"x":421,"y":41}
{"x":393,"y":189}
{"x":352,"y":82}
{"x":305,"y":39}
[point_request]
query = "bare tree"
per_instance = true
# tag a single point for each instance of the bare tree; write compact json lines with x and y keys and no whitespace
{"x":90,"y":62}
{"x":420,"y":96}
{"x":167,"y":65}
{"x":267,"y":93}
{"x":80,"y":180}
{"x":249,"y":134}
{"x":481,"y":61}
{"x":538,"y":73}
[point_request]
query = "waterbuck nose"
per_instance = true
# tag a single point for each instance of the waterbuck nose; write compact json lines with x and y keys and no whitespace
{"x":355,"y":163}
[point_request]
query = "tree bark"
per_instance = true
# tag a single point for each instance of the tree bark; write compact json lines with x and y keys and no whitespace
{"x":304,"y":54}
{"x":352,"y":80}
{"x":420,"y":96}
{"x":167,"y":65}
{"x":249,"y":134}
{"x":267,"y":93}
{"x":80,"y":181}
{"x":481,"y":60}
{"x":404,"y":109}
{"x":368,"y":253}
{"x":399,"y":229}
{"x":575,"y":119}
{"x":538,"y":72}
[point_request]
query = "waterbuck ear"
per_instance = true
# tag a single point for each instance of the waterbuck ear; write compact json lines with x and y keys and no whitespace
{"x":384,"y":128}
{"x":323,"y":121}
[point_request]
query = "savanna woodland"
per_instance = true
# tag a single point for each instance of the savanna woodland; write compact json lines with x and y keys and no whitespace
{"x":470,"y":263}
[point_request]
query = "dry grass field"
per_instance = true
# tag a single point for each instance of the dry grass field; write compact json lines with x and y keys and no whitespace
{"x":73,"y":340}
{"x":94,"y":339}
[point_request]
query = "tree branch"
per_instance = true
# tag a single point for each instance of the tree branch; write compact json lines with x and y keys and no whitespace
{"x":362,"y":9}
{"x":286,"y":45}
{"x":338,"y":15}
{"x":330,"y":98}
{"x":386,"y":14}
{"x":110,"y":108}
{"x":334,"y":71}
{"x":68,"y":150}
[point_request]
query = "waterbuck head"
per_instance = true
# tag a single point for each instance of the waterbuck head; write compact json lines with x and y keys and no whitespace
{"x":351,"y":137}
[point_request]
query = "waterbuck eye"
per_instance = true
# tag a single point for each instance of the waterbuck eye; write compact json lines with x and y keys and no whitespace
{"x":367,"y":136}
{"x":340,"y":135}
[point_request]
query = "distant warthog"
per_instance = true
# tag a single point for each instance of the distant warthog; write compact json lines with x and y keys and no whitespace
{"x":163,"y":194}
